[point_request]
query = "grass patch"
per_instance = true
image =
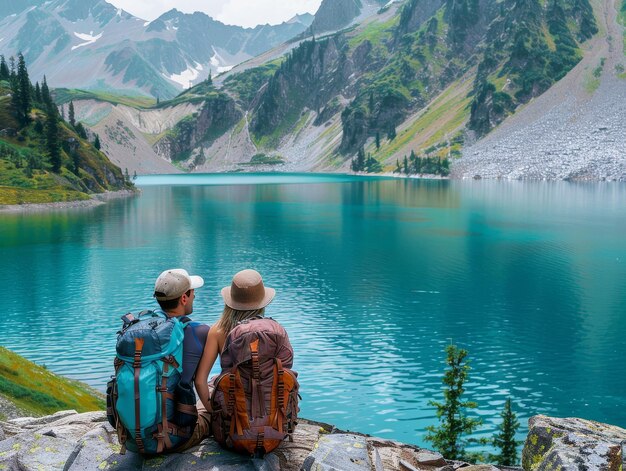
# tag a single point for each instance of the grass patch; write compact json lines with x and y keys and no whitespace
{"x":447,"y":113}
{"x":13,"y":195}
{"x":38,"y":391}
{"x":591,"y":81}
{"x":374,"y":32}
{"x":65,"y":95}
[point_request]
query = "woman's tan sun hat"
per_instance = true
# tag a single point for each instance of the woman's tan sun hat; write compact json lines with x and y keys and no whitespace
{"x":246,"y":292}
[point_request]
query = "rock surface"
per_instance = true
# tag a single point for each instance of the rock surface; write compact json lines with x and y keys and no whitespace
{"x":572,"y":444}
{"x":69,"y":441}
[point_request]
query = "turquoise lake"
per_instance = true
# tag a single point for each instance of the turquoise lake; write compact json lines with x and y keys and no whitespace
{"x":374,"y":277}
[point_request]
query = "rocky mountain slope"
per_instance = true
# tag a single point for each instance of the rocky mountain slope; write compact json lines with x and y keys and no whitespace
{"x":90,"y":44}
{"x":333,"y":15}
{"x":573,"y":131}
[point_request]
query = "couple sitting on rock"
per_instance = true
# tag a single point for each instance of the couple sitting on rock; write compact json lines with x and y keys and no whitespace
{"x":250,"y":407}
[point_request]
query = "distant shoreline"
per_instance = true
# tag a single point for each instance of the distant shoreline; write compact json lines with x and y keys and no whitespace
{"x":95,"y":200}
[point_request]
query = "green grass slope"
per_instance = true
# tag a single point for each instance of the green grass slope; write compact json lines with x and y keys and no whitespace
{"x":37,"y":391}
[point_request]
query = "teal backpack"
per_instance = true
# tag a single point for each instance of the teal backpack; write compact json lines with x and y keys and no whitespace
{"x":152,"y":411}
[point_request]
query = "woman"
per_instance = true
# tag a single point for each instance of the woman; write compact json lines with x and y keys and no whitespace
{"x":245,"y":298}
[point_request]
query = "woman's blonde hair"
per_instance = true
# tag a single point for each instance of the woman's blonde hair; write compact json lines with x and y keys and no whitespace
{"x":231,"y":317}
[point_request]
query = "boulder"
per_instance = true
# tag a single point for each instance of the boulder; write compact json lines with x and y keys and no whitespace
{"x":572,"y":444}
{"x":396,"y":455}
{"x":343,"y":451}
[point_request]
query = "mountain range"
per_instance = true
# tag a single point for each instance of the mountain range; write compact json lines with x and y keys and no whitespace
{"x":90,"y":44}
{"x":396,"y":84}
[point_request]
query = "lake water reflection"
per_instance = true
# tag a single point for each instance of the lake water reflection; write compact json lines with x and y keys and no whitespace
{"x":373,"y":277}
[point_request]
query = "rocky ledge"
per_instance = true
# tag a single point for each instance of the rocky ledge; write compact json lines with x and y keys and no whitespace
{"x":70,"y":441}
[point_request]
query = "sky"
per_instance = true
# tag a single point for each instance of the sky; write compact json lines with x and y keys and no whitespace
{"x":246,"y":13}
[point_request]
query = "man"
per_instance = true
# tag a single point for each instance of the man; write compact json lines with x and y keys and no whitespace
{"x":174,"y":290}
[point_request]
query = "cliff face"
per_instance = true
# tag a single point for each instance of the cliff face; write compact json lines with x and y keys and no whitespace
{"x":314,"y":73}
{"x":183,"y":143}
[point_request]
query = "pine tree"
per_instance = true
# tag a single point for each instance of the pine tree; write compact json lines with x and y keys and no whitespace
{"x":4,"y":69}
{"x":75,"y":162}
{"x":70,"y":114}
{"x":45,"y":93}
{"x":37,"y":93}
{"x":406,"y":165}
{"x":360,"y":159}
{"x":445,"y":167}
{"x":12,"y":73}
{"x":453,"y":421}
{"x":52,"y":140}
{"x":23,"y":89}
{"x":96,"y":143}
{"x":377,"y":140}
{"x":505,"y":439}
{"x":398,"y":168}
{"x":80,"y":130}
{"x":392,"y":133}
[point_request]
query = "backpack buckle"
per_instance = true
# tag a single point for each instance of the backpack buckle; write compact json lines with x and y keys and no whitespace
{"x":129,"y":319}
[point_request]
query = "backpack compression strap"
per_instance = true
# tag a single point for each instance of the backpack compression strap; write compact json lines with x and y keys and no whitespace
{"x":277,"y":414}
{"x":137,"y":366}
{"x":162,"y":435}
{"x":257,"y":407}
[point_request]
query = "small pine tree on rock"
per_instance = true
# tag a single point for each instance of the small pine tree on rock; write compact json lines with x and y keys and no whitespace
{"x":454,"y":424}
{"x":96,"y":143}
{"x":504,"y":440}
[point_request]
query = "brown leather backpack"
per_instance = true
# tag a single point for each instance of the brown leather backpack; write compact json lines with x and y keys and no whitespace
{"x":255,"y":400}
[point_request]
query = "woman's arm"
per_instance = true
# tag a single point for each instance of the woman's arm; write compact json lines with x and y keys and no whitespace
{"x":209,"y":355}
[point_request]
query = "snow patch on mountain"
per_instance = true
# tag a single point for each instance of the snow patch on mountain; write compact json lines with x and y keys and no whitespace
{"x":88,"y":38}
{"x":185,"y":77}
{"x":219,"y":63}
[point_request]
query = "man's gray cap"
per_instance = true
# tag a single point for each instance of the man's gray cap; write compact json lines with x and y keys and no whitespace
{"x":172,"y":284}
